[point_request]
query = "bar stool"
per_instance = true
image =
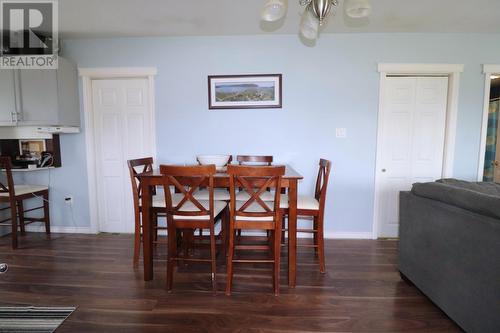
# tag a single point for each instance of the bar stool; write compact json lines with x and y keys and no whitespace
{"x":15,"y":195}
{"x":314,"y":207}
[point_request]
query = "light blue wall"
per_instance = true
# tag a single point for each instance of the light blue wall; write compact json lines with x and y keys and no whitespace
{"x":334,"y":84}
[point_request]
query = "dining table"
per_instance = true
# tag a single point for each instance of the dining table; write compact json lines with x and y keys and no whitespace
{"x":149,"y":180}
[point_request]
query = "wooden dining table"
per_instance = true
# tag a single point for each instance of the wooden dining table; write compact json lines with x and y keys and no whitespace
{"x":153,"y":178}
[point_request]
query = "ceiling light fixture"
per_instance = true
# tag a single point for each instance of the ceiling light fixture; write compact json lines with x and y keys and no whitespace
{"x":315,"y":14}
{"x":494,"y":77}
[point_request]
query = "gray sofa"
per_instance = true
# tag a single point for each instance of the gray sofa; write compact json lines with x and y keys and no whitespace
{"x":450,"y":249}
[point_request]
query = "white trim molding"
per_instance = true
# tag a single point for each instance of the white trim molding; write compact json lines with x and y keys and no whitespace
{"x":488,"y":70}
{"x":89,"y":74}
{"x":453,"y":72}
{"x":419,"y":69}
{"x":60,"y":229}
{"x":116,"y":72}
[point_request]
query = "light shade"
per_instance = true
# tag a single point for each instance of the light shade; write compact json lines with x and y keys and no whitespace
{"x":309,"y":25}
{"x":274,"y":10}
{"x":357,"y":8}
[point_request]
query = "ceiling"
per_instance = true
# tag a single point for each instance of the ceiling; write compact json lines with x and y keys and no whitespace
{"x":127,"y":18}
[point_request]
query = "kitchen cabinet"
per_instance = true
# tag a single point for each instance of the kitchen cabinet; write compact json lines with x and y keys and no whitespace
{"x":41,"y":97}
{"x":7,"y":97}
{"x":38,"y":97}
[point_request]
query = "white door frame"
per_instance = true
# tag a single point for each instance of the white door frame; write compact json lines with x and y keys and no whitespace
{"x":453,"y":72}
{"x":89,"y":74}
{"x":488,"y":70}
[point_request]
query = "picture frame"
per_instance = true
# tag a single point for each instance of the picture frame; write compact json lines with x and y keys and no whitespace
{"x":249,"y":91}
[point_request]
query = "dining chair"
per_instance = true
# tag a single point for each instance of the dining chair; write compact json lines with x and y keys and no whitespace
{"x":136,"y":167}
{"x":14,"y":195}
{"x":185,"y":212}
{"x":255,"y":161}
{"x":313,"y":206}
{"x":255,"y":214}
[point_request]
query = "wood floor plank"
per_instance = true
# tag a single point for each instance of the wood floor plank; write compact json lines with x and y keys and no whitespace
{"x":361,"y":291}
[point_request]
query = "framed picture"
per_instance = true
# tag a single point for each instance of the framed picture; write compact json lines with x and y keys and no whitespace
{"x":259,"y":91}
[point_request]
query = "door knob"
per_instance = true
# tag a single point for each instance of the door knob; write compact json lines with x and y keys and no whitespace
{"x":384,"y":170}
{"x":495,"y":163}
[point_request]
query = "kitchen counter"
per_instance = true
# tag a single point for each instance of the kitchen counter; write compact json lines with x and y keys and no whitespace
{"x":27,"y":170}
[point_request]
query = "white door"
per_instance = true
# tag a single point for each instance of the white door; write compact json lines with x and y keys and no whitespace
{"x":123,"y":130}
{"x":411,"y":146}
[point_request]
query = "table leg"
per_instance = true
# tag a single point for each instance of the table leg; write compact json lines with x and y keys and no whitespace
{"x":147,"y":242}
{"x":292,"y":233}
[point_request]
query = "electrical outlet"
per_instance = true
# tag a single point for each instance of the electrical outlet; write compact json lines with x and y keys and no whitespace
{"x":68,"y":201}
{"x":341,"y":133}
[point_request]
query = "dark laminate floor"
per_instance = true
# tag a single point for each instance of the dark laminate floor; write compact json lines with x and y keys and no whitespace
{"x":361,"y":292}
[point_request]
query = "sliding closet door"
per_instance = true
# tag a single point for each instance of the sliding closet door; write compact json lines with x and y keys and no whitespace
{"x":412,"y":136}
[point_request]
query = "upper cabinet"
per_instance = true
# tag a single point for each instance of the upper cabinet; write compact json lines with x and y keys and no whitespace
{"x":41,"y":97}
{"x":7,"y":97}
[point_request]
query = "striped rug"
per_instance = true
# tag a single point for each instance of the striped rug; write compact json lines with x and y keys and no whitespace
{"x":32,"y":319}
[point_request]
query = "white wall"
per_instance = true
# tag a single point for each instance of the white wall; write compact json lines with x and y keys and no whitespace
{"x":334,"y":84}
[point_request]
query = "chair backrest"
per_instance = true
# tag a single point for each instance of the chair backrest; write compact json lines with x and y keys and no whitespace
{"x":246,"y":159}
{"x":8,"y":185}
{"x":255,"y":180}
{"x":187,"y":180}
{"x":322,"y":181}
{"x":136,"y":167}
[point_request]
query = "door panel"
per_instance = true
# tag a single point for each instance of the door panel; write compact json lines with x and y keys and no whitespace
{"x":123,"y":130}
{"x":412,"y":142}
{"x":39,"y":97}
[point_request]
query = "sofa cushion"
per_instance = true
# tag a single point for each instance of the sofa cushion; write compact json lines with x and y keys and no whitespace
{"x":483,"y":187}
{"x":475,"y":201}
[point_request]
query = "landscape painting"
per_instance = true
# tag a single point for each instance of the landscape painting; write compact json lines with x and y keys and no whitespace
{"x":244,"y":91}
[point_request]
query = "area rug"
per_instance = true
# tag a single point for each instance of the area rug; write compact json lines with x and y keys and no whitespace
{"x":32,"y":319}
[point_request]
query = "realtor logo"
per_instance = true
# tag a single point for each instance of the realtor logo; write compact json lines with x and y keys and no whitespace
{"x":28,"y":34}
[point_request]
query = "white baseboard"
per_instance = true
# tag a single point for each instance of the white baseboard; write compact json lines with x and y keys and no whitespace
{"x":328,"y":235}
{"x":348,"y":235}
{"x":60,"y":229}
{"x":88,"y":230}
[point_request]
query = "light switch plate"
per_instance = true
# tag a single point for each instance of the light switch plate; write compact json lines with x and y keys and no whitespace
{"x":341,"y":133}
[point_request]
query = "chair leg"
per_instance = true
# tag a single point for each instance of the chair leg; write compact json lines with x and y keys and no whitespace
{"x":172,"y":253}
{"x":224,"y":230}
{"x":229,"y":278}
{"x":13,"y":214}
{"x":283,"y":227}
{"x":270,"y":242}
{"x":315,"y":235}
{"x":20,"y":214}
{"x":213,"y":259}
{"x":46,"y":212}
{"x":277,"y":258}
{"x":321,"y":245}
{"x":137,"y":240}
{"x":154,"y":216}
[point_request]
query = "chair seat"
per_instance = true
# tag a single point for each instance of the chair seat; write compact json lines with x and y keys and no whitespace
{"x":244,"y":196}
{"x":254,"y":208}
{"x":219,"y":194}
{"x":25,"y":189}
{"x":158,"y":201}
{"x":188,"y":206}
{"x":303,"y":202}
